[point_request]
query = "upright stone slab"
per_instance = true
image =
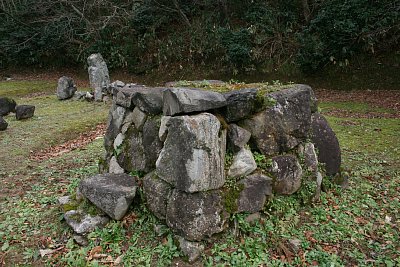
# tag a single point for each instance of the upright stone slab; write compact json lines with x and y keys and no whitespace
{"x":196,"y":216}
{"x":98,"y":75}
{"x":186,"y":100}
{"x":112,"y":193}
{"x":283,"y":126}
{"x":326,"y":143}
{"x":140,"y":148}
{"x":7,"y":105}
{"x":193,"y":156}
{"x":66,"y":88}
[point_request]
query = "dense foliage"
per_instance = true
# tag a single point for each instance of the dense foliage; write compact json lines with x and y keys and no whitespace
{"x":238,"y":35}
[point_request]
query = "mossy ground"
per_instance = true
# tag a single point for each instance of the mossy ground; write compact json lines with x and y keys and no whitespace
{"x":358,"y":226}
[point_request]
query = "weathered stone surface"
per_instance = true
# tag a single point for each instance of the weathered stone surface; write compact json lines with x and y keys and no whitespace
{"x":162,"y":134}
{"x":64,"y":200}
{"x":193,"y":156}
{"x":237,"y":137}
{"x":242,"y":104}
{"x":288,"y":174}
{"x":157,"y":193}
{"x":7,"y":105}
{"x":66,"y":88}
{"x":255,"y":189}
{"x":196,"y":216}
{"x":140,"y":149}
{"x":192,"y":250}
{"x":243,"y":164}
{"x":3,"y":124}
{"x":116,"y":85}
{"x":112,"y":193}
{"x":310,"y":157}
{"x":114,"y":166}
{"x":24,"y":111}
{"x":138,"y":118}
{"x":118,"y":141}
{"x":185,"y":100}
{"x":283,"y":126}
{"x":195,"y":83}
{"x":83,"y":223}
{"x":98,"y":75}
{"x":326,"y":143}
{"x":81,"y":240}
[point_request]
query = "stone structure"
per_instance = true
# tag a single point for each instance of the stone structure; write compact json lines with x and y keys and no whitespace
{"x":195,"y":150}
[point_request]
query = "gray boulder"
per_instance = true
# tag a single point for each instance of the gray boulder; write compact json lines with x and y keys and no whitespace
{"x":157,"y":193}
{"x":283,"y":126}
{"x":98,"y":75}
{"x":326,"y":143}
{"x":193,"y":156}
{"x":243,"y":164}
{"x":192,"y":250}
{"x":185,"y":100}
{"x":82,"y":223}
{"x":66,"y":88}
{"x":7,"y":105}
{"x":112,"y":193}
{"x":196,"y":216}
{"x":140,"y":149}
{"x":242,"y":104}
{"x":237,"y":138}
{"x":255,"y":189}
{"x":287,"y":174}
{"x":3,"y":124}
{"x":24,"y":112}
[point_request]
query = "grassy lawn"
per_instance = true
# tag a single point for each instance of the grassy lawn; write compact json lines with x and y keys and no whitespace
{"x":354,"y":227}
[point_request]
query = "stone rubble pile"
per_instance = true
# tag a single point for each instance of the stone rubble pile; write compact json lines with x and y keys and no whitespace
{"x":195,"y":150}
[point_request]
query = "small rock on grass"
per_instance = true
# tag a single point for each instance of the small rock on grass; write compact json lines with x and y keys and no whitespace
{"x":24,"y":111}
{"x":84,"y":223}
{"x":81,"y":240}
{"x":3,"y":124}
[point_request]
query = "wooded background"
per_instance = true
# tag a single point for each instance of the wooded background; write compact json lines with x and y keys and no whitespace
{"x":234,"y":35}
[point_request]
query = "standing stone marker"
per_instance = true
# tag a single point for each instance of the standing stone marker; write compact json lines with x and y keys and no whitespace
{"x":98,"y":75}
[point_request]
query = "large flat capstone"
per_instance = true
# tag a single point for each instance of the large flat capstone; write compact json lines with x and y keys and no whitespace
{"x":112,"y":193}
{"x":193,"y":155}
{"x":186,"y":100}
